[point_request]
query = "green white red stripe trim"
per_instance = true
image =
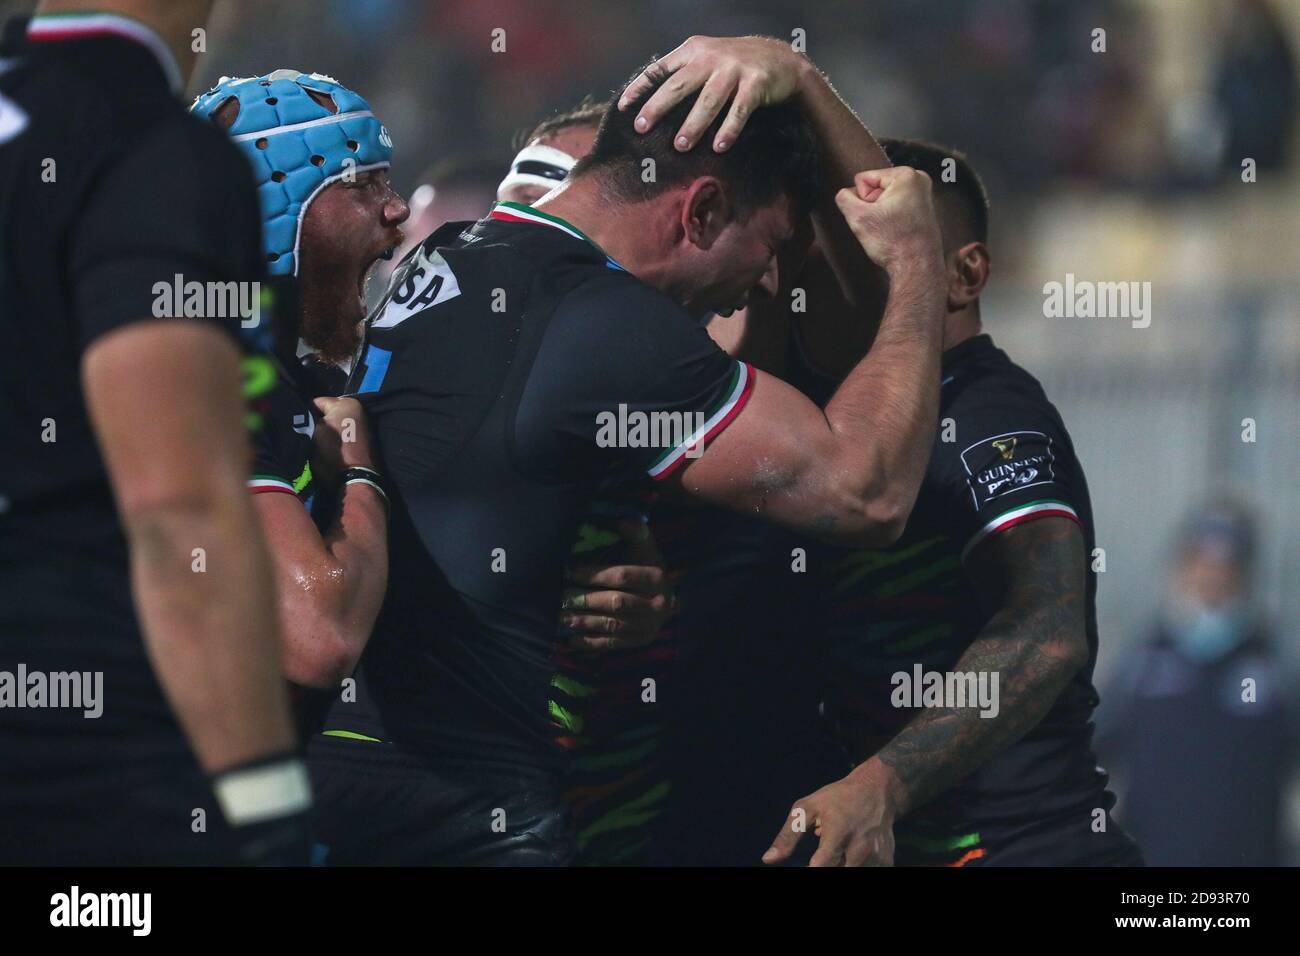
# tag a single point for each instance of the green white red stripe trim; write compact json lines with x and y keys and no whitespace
{"x":517,"y":212}
{"x":735,"y":398}
{"x":260,"y":484}
{"x":77,"y":26}
{"x":1019,"y":515}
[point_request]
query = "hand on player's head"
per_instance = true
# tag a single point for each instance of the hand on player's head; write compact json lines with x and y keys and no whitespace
{"x":745,"y":72}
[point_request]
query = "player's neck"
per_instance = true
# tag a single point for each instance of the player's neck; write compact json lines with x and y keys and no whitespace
{"x":581,"y":203}
{"x":173,"y":20}
{"x":962,"y":325}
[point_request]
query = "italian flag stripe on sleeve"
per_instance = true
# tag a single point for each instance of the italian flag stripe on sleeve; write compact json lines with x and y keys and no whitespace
{"x":1047,"y":508}
{"x":259,"y":484}
{"x":715,"y":420}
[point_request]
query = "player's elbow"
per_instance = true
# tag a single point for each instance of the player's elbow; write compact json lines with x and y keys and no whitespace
{"x":318,"y":654}
{"x":864,"y":521}
{"x":320,"y":644}
{"x":151,"y":504}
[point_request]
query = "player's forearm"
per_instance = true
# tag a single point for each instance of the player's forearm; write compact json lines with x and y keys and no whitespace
{"x":1033,"y":663}
{"x":202,"y":584}
{"x":358,"y":542}
{"x":883,"y":416}
{"x":332,"y":587}
{"x":847,"y":148}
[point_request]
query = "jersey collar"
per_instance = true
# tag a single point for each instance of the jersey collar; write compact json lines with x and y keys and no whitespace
{"x":78,"y":26}
{"x":975,"y":345}
{"x":508,"y":211}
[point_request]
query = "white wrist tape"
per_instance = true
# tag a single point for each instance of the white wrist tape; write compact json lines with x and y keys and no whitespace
{"x":263,"y":793}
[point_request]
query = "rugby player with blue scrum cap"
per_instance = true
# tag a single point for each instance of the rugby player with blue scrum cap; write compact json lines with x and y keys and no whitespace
{"x":320,"y":159}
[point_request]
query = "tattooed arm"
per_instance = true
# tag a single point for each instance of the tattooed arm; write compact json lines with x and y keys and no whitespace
{"x":1033,"y":578}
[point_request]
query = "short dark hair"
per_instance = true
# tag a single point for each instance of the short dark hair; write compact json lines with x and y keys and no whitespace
{"x":964,"y":204}
{"x":587,"y":113}
{"x":776,"y":154}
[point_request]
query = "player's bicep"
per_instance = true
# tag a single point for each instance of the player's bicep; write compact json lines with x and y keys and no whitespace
{"x":164,"y":398}
{"x":761,"y":464}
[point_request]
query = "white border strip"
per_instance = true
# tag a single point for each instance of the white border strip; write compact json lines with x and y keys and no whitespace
{"x":698,"y":435}
{"x":306,"y":124}
{"x":1014,"y":514}
{"x":270,"y":484}
{"x":539,"y":220}
{"x":48,"y":26}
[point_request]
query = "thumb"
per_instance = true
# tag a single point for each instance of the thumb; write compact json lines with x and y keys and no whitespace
{"x":324,"y":403}
{"x":849,"y":202}
{"x":788,"y":838}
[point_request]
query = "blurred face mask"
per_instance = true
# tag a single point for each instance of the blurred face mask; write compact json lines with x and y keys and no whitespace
{"x":1208,"y":633}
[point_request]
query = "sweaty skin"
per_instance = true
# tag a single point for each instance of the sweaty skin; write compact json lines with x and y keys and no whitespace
{"x":348,"y":228}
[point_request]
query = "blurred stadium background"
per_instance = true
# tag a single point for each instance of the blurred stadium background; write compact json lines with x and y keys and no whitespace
{"x":1123,"y":165}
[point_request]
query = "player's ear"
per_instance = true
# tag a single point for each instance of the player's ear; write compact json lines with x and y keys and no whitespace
{"x":968,"y":272}
{"x":705,"y":211}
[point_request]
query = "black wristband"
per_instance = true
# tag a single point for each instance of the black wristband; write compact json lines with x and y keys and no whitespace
{"x":367,"y":476}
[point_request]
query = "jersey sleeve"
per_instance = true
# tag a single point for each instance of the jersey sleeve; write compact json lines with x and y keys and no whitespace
{"x":626,"y":372}
{"x":179,"y":203}
{"x":1009,"y":463}
{"x":282,"y":445}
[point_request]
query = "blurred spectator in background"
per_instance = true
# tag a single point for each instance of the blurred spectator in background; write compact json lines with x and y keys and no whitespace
{"x":1255,"y":87}
{"x":1201,"y":725}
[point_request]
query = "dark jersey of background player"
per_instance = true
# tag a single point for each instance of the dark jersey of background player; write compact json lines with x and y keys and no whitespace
{"x":466,"y":397}
{"x":80,"y":260}
{"x":741,"y":699}
{"x":1008,"y":459}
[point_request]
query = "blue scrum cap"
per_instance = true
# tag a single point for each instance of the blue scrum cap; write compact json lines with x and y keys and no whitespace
{"x":301,"y":131}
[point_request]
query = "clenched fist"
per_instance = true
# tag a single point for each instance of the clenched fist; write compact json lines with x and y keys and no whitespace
{"x":891,"y":212}
{"x":342,"y":437}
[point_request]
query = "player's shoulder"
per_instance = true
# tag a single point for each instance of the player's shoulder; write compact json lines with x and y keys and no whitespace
{"x":994,"y":414}
{"x":610,"y":297}
{"x":119,"y":120}
{"x":985,"y":390}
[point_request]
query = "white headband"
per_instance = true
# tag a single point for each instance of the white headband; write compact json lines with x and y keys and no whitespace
{"x":537,"y":165}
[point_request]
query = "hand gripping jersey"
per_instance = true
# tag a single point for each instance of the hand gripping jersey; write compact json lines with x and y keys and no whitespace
{"x":511,"y":371}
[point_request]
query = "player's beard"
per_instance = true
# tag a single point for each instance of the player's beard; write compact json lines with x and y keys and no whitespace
{"x":331,"y":319}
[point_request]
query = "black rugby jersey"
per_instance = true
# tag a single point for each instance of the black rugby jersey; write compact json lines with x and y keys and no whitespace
{"x":282,"y":442}
{"x":512,"y":373}
{"x":1002,"y":456}
{"x":107,"y":187}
